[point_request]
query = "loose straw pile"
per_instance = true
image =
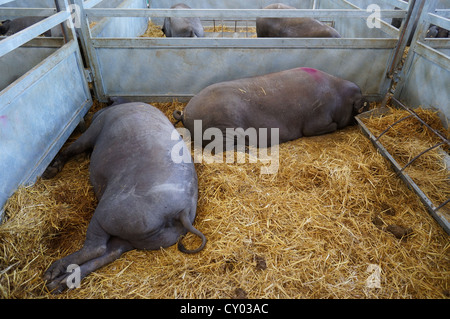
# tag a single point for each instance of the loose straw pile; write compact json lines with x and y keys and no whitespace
{"x":322,"y":227}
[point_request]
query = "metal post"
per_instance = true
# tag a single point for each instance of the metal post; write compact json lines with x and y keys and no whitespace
{"x":85,"y":36}
{"x":415,"y":9}
{"x":63,"y":26}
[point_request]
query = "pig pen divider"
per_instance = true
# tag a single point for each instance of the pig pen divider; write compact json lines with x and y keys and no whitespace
{"x":167,"y":68}
{"x":425,"y":76}
{"x":41,"y":105}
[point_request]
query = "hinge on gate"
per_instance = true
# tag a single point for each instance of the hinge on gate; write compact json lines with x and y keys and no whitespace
{"x":88,"y":75}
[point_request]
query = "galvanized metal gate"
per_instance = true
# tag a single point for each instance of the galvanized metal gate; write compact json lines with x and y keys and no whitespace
{"x":425,"y":79}
{"x":163,"y":68}
{"x":41,"y":108}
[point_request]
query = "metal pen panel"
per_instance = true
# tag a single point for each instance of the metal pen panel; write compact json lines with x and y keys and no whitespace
{"x":122,"y":26}
{"x":425,"y":78}
{"x":18,"y":62}
{"x":175,"y":61}
{"x":182,"y":71}
{"x":14,"y":41}
{"x":41,"y":108}
{"x":37,"y":115}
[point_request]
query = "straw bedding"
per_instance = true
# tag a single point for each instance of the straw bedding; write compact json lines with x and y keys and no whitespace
{"x":154,"y":31}
{"x":322,"y":227}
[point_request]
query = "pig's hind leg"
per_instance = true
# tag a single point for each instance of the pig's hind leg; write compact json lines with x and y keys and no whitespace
{"x":115,"y":248}
{"x":98,"y":250}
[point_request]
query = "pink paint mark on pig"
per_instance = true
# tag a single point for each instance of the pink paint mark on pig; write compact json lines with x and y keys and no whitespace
{"x":313,"y":72}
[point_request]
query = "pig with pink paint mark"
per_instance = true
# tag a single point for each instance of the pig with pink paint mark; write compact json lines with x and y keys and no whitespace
{"x":299,"y":102}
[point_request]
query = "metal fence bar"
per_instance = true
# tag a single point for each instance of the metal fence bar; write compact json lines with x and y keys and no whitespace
{"x":393,"y":124}
{"x":398,"y":3}
{"x":22,"y":37}
{"x":240,"y":13}
{"x":438,"y":134}
{"x":439,"y":20}
{"x":438,"y":43}
{"x":187,"y":43}
{"x":421,"y":153}
{"x":443,"y":12}
{"x":433,"y":55}
{"x":23,"y":12}
{"x":442,"y":205}
{"x":91,"y":3}
{"x":47,"y":42}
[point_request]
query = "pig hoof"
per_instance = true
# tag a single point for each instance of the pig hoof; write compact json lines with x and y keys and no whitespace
{"x":56,"y":278}
{"x":58,"y":285}
{"x":54,"y":271}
